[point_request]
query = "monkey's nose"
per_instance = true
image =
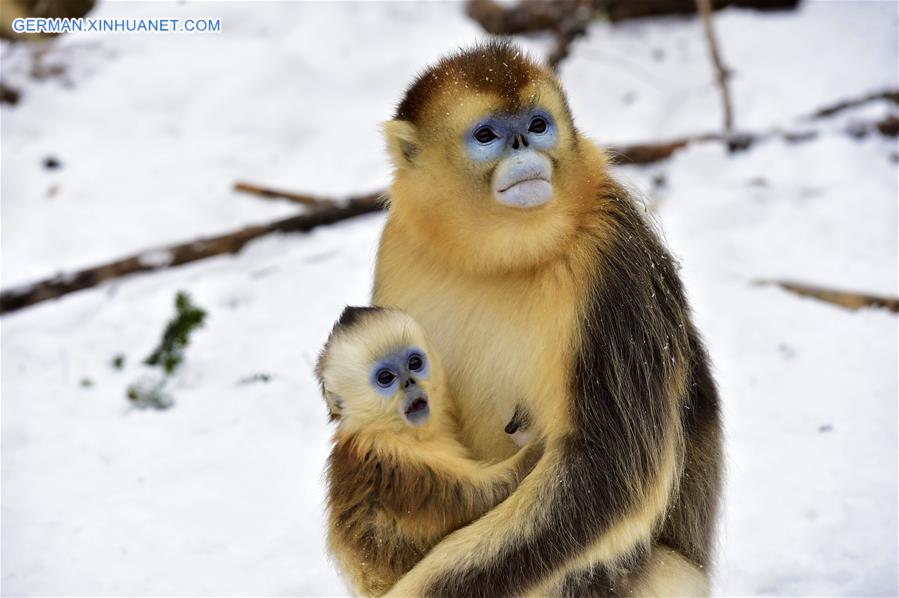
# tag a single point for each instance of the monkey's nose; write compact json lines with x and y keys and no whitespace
{"x":409,"y":382}
{"x":519,"y":141}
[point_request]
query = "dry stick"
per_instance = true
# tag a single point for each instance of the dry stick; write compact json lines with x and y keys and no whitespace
{"x":571,"y":26}
{"x":183,"y":253}
{"x":721,"y":73}
{"x":848,"y":299}
{"x":566,"y":19}
{"x":620,"y":10}
{"x":524,"y":17}
{"x":267,"y":193}
{"x":647,"y":153}
{"x":889,"y":95}
{"x":529,"y":16}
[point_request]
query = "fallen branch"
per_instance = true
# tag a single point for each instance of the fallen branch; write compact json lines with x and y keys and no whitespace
{"x":267,"y":193}
{"x":647,"y":153}
{"x":722,"y":74}
{"x":572,"y":26}
{"x":183,"y":253}
{"x":622,"y":10}
{"x":530,"y":16}
{"x":848,"y":299}
{"x":9,"y":95}
{"x":566,"y":19}
{"x":524,"y":17}
{"x":889,"y":95}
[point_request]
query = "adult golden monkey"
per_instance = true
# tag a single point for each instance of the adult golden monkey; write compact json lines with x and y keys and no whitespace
{"x":540,"y":283}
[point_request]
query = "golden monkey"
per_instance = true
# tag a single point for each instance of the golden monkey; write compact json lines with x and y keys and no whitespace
{"x":540,"y":283}
{"x":398,"y":480}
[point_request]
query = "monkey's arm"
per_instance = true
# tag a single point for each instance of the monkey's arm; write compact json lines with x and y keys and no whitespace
{"x":445,"y":491}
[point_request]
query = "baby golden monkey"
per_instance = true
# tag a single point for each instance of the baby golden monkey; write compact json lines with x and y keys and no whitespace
{"x":398,"y":480}
{"x":540,"y":283}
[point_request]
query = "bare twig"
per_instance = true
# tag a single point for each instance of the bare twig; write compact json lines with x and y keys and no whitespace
{"x":571,"y":26}
{"x":523,"y":17}
{"x":848,"y":299}
{"x":721,"y":73}
{"x":566,"y":19}
{"x":621,"y":10}
{"x":9,"y":95}
{"x":647,"y":153}
{"x":889,"y":95}
{"x":528,"y":16}
{"x":268,"y":193}
{"x":183,"y":253}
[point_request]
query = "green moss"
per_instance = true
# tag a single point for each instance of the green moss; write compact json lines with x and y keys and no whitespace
{"x":170,"y":352}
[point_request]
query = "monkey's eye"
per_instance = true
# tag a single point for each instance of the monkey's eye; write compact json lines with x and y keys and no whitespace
{"x":415,"y":362}
{"x":538,"y":125}
{"x":484,"y":135}
{"x":385,"y":378}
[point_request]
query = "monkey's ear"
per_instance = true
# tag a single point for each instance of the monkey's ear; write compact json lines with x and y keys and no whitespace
{"x":402,"y":142}
{"x":334,"y":405}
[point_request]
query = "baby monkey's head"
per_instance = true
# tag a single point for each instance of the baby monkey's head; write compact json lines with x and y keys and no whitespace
{"x":378,"y":370}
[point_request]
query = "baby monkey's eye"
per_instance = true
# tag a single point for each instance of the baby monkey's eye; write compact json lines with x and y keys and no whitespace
{"x":415,"y":362}
{"x":385,"y":378}
{"x":538,"y":125}
{"x":484,"y":135}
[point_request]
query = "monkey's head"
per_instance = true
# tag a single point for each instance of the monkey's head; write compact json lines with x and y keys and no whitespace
{"x":377,"y":371}
{"x":489,"y":168}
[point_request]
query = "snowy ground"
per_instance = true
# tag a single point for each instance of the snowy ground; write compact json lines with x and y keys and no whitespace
{"x":222,"y":495}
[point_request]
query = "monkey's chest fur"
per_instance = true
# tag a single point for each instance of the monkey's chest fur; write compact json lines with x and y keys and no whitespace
{"x":503,"y":340}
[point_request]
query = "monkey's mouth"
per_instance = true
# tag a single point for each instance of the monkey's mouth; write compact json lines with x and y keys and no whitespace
{"x":528,"y":193}
{"x":417,"y":410}
{"x":524,"y":182}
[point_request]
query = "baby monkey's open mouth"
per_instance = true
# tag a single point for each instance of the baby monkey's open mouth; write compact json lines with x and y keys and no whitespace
{"x":417,"y":406}
{"x":416,"y":409}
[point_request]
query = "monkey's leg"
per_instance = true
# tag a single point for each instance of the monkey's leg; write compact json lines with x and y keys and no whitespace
{"x":656,"y":572}
{"x":670,"y":575}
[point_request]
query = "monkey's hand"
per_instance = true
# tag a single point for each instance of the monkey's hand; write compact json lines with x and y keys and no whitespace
{"x":519,"y":427}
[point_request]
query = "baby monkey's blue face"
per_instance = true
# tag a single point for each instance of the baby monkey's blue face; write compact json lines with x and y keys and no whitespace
{"x":400,"y":374}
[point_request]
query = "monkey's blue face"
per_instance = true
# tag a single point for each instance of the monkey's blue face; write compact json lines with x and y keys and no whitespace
{"x":401,"y":374}
{"x":523,"y":175}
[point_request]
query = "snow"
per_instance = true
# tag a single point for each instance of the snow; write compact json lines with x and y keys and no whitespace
{"x":222,"y":494}
{"x":652,"y":79}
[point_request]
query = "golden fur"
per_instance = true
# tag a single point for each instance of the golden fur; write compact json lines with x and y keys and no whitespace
{"x":509,"y":297}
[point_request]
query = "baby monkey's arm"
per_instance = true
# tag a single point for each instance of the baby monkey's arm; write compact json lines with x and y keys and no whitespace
{"x":446,"y":491}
